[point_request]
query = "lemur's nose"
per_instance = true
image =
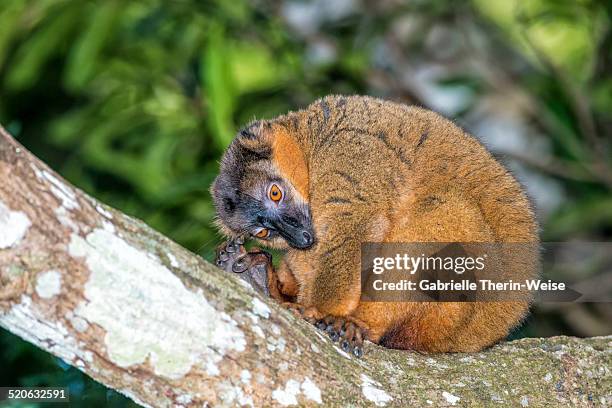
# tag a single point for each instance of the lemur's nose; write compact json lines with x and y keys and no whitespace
{"x":308,"y":240}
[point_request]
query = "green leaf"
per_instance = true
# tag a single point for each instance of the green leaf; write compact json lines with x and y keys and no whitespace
{"x":10,"y":16}
{"x":253,"y":67}
{"x":84,"y":55}
{"x":219,"y":86}
{"x":26,"y":67}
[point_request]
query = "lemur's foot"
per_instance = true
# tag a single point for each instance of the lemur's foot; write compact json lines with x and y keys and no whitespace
{"x":252,"y":266}
{"x":350,"y":332}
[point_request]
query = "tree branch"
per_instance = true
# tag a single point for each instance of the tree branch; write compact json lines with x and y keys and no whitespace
{"x":144,"y":316}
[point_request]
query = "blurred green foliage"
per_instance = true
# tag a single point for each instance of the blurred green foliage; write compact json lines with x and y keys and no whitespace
{"x":135,"y":101}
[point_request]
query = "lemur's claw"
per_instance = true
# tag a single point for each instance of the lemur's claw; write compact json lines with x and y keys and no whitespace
{"x":252,"y":267}
{"x":232,"y":246}
{"x":333,"y":335}
{"x":241,"y":263}
{"x":222,"y":257}
{"x":348,"y":331}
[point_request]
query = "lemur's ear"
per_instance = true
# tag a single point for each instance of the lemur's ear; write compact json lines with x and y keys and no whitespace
{"x":256,"y":135}
{"x":255,"y":141}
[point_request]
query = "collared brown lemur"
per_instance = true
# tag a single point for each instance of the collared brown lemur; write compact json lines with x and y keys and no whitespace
{"x":350,"y":169}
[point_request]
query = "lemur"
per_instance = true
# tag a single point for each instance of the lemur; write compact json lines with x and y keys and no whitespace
{"x":351,"y":169}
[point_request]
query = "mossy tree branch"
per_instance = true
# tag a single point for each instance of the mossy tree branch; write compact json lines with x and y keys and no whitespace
{"x":142,"y":315}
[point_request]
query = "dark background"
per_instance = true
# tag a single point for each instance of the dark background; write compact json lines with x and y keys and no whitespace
{"x":135,"y":101}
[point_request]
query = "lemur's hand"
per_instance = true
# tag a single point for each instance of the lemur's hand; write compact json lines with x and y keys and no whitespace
{"x":252,"y":267}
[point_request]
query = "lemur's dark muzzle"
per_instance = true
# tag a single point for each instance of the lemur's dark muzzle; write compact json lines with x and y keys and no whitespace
{"x":297,"y":235}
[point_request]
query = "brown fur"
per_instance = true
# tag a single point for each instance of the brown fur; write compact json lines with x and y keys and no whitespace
{"x":373,"y":170}
{"x":290,"y":160}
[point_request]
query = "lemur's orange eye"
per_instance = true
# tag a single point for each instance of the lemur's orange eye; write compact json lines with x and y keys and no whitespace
{"x":262,"y":233}
{"x":275,"y":193}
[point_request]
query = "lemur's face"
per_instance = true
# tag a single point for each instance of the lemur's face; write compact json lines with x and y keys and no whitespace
{"x":253,"y":198}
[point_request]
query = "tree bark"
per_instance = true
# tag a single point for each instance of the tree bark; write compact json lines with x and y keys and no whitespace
{"x":146,"y":317}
